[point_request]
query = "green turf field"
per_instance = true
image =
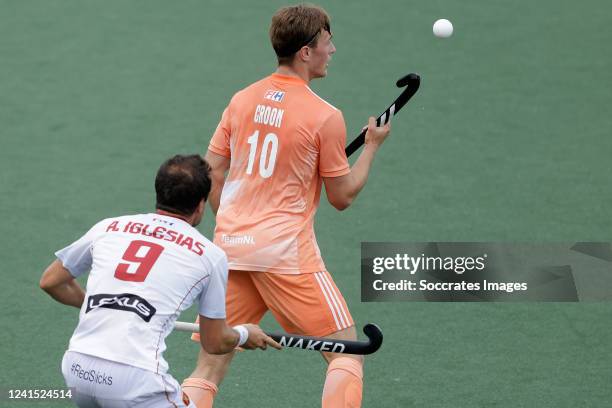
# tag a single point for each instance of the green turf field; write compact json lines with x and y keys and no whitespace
{"x":507,"y":140}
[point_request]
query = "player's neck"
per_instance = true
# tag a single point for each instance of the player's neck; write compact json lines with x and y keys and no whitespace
{"x":295,"y":71}
{"x":188,"y":220}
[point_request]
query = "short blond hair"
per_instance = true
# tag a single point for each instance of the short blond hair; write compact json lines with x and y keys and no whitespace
{"x":294,"y":27}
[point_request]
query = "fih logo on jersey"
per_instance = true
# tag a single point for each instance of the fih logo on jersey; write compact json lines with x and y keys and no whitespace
{"x":124,"y":301}
{"x":276,"y":96}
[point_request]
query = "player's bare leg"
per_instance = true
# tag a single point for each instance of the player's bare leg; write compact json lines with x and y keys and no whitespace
{"x":202,"y":385}
{"x":344,"y":381}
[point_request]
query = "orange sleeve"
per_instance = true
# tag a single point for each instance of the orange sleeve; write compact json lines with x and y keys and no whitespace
{"x":220,"y":142}
{"x":332,"y":139}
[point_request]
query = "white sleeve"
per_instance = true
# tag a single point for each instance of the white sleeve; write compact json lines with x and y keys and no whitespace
{"x":212,"y":299}
{"x":76,"y":257}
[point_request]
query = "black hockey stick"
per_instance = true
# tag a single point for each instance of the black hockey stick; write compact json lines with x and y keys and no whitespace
{"x":375,"y":338}
{"x":411,"y":82}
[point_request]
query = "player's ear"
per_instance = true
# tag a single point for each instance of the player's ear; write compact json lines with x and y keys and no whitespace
{"x":201,"y":206}
{"x":198,"y":214}
{"x":304,"y":53}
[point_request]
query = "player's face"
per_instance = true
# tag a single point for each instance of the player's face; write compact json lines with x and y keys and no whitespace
{"x":321,"y":55}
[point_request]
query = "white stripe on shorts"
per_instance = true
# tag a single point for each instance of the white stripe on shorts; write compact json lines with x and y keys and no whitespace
{"x":333,"y":311}
{"x":327,"y":278}
{"x":334,"y":305}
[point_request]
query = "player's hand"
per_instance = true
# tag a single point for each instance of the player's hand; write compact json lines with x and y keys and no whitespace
{"x":258,"y":339}
{"x":375,"y":136}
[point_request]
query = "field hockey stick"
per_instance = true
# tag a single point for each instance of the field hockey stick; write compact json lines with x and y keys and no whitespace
{"x":375,"y":338}
{"x":411,"y":82}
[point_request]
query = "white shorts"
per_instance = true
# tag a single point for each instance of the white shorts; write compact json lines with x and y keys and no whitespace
{"x":96,"y":382}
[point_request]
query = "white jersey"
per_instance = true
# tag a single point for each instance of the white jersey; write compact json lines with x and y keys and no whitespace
{"x":145,"y":270}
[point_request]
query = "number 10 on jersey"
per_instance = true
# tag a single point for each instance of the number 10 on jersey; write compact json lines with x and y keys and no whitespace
{"x":267,"y":158}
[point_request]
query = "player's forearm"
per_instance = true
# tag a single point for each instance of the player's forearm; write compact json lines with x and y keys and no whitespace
{"x":360,"y":172}
{"x":230,"y":340}
{"x":59,"y":283}
{"x":374,"y":138}
{"x":69,"y":293}
{"x":222,"y":343}
{"x":342,"y":190}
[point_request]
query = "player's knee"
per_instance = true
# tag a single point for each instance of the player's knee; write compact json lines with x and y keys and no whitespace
{"x":331,"y":357}
{"x":352,"y":364}
{"x":346,"y":334}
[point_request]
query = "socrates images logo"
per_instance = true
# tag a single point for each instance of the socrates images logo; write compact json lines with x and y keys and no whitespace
{"x":273,"y":95}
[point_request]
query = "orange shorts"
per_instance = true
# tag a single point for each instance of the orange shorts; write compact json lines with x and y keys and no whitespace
{"x":308,"y":304}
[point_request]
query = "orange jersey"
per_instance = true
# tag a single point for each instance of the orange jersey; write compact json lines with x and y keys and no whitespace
{"x":281,"y":139}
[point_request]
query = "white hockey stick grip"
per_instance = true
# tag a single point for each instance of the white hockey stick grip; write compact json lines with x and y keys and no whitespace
{"x":187,"y":327}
